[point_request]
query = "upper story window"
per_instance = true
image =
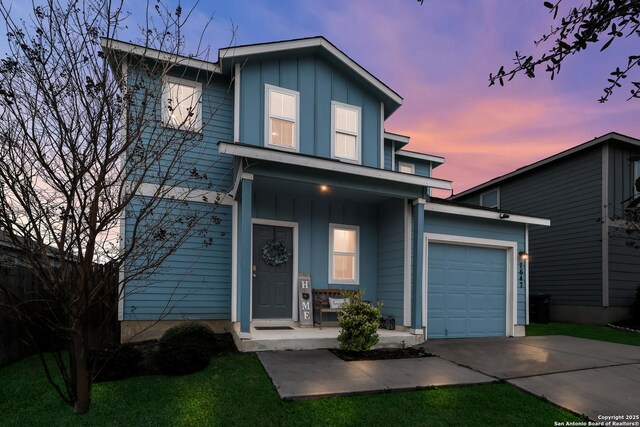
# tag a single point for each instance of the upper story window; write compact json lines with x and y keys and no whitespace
{"x":181,"y":103}
{"x":406,"y":167}
{"x":490,"y":199}
{"x":345,"y":137}
{"x":344,"y":254}
{"x":282,"y":117}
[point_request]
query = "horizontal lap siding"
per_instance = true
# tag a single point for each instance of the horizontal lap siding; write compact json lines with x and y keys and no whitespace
{"x":391,"y":258}
{"x":621,"y":179}
{"x":483,"y":229}
{"x":566,"y":258}
{"x":192,"y":283}
{"x":191,"y":160}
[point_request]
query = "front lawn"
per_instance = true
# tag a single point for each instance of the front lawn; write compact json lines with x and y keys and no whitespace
{"x":235,"y":390}
{"x":593,"y":332}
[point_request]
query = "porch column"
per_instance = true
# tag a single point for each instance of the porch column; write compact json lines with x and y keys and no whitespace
{"x":244,"y":256}
{"x":417,"y":253}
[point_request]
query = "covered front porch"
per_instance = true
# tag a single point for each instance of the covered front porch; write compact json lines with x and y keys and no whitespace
{"x":343,"y":226}
{"x":294,"y":337}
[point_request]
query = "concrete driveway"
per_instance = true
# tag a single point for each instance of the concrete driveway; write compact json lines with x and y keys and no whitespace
{"x":594,"y":378}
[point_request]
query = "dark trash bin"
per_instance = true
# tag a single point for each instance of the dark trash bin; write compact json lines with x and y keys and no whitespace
{"x":539,"y":308}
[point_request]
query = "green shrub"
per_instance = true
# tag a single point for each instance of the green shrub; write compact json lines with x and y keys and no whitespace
{"x":185,"y":348}
{"x":116,"y":363}
{"x":359,"y":321}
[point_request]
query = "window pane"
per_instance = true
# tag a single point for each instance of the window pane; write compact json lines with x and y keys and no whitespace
{"x":282,"y":133}
{"x":345,"y":146}
{"x":283,"y":105}
{"x":490,"y":199}
{"x":346,"y":119}
{"x":344,"y":267}
{"x":182,"y":104}
{"x":344,"y":240}
{"x":405,"y":168}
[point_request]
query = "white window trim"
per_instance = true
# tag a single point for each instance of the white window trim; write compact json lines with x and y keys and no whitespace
{"x":197,"y":126}
{"x":636,"y":176}
{"x":409,"y":165}
{"x":333,"y":280}
{"x":267,"y":116}
{"x":358,"y":135}
{"x":497,"y":190}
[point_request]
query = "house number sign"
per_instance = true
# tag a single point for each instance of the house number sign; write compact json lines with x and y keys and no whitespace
{"x":305,"y":301}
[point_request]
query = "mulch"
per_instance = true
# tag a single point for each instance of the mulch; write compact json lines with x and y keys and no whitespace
{"x":381,"y":354}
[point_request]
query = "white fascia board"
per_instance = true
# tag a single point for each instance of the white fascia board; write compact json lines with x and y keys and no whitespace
{"x":396,"y":137}
{"x":183,"y":193}
{"x":329,"y":165}
{"x":307,"y":43}
{"x":570,"y":151}
{"x":158,"y":55}
{"x":481,"y":213}
{"x":420,"y":156}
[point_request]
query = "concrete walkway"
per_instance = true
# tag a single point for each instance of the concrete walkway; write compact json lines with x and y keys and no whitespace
{"x":593,"y":378}
{"x":319,"y":373}
{"x":589,"y":377}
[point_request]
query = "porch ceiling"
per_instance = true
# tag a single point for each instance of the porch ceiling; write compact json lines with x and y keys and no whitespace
{"x":306,"y":190}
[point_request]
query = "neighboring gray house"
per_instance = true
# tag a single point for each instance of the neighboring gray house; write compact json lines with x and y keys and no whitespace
{"x":582,"y":260}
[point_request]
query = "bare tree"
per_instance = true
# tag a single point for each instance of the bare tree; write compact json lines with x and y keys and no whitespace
{"x":83,"y":134}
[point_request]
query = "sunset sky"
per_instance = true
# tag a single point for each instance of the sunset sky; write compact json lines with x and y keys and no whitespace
{"x":438,"y":56}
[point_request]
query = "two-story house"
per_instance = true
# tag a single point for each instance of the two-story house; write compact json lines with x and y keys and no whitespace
{"x":308,"y":172}
{"x":583,"y":260}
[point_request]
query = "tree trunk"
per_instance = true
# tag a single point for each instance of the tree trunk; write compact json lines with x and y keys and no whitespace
{"x":80,"y":373}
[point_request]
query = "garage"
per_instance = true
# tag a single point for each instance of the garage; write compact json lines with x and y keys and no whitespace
{"x":466,"y":291}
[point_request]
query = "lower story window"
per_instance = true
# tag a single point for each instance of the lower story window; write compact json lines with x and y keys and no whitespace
{"x":343,"y":253}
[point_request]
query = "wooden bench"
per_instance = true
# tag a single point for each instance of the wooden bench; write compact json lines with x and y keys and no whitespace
{"x":321,"y":303}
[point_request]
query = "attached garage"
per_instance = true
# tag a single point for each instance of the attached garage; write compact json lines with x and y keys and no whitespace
{"x":469,"y":287}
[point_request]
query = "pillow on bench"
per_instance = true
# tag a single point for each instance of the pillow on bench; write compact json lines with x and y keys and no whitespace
{"x":337,"y":303}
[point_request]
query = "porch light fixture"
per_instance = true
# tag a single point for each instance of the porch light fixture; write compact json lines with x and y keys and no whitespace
{"x":324,"y":189}
{"x":524,"y":256}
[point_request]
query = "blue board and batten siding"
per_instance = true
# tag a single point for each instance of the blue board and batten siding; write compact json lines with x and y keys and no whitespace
{"x":318,"y":85}
{"x":437,"y":223}
{"x":391,"y":258}
{"x":313,"y":217}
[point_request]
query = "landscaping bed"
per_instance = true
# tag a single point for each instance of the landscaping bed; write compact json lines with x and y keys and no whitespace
{"x":381,"y":354}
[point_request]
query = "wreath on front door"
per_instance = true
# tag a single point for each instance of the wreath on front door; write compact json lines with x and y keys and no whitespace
{"x":275,"y":253}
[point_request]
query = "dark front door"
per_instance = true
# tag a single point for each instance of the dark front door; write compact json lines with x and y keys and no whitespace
{"x":272,"y":285}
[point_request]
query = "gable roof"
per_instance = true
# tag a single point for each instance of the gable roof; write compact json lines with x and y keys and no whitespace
{"x":611,"y":136}
{"x":237,"y":54}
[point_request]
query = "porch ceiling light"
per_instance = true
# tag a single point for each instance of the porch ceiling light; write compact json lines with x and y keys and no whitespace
{"x":524,"y":256}
{"x":324,"y":188}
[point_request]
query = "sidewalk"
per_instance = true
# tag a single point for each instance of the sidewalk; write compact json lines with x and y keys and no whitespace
{"x":319,"y":373}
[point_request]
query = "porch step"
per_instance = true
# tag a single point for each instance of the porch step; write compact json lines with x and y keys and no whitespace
{"x":313,"y":338}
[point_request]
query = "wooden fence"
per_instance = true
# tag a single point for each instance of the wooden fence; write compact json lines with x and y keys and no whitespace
{"x":23,"y":284}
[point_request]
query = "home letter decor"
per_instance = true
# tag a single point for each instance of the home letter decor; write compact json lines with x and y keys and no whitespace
{"x":305,"y":301}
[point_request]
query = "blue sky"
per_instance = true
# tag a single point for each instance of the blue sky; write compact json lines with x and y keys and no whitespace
{"x":438,"y":57}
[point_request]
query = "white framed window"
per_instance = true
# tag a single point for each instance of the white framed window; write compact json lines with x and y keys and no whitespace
{"x":490,"y":199}
{"x":282,"y":115}
{"x":345,"y":133}
{"x":406,"y":168}
{"x":344,"y":254}
{"x":181,"y":103}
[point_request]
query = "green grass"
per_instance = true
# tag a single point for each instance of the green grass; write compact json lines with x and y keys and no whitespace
{"x":235,"y":390}
{"x":593,"y":332}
